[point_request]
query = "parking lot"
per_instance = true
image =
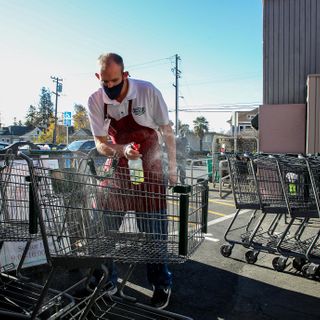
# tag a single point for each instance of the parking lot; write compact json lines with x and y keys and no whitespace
{"x":210,"y":286}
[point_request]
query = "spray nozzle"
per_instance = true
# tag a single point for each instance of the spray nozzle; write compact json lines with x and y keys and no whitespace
{"x":135,"y":146}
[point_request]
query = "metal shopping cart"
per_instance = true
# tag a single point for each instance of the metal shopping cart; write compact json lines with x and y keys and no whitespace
{"x":247,"y":203}
{"x":18,"y":212}
{"x":284,"y":190}
{"x":19,"y":225}
{"x":257,"y":185}
{"x":269,"y":229}
{"x":97,"y":214}
{"x":113,"y":307}
{"x":300,"y":190}
{"x":313,"y":252}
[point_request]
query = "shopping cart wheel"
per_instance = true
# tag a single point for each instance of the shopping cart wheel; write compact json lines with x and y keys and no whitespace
{"x":298,"y":263}
{"x":279,"y":263}
{"x":226,"y":250}
{"x":310,"y":270}
{"x":251,"y":256}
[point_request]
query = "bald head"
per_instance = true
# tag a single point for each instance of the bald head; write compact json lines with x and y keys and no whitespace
{"x":106,"y":59}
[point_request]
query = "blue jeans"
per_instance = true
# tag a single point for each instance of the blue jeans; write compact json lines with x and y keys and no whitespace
{"x":158,"y":274}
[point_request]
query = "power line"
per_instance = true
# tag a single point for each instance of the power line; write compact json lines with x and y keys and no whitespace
{"x":148,"y":62}
{"x":221,"y":108}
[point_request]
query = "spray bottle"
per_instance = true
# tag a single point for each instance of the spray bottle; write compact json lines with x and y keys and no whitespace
{"x":136,"y":168}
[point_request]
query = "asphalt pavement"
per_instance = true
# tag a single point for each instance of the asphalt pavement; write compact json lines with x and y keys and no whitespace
{"x":210,"y":286}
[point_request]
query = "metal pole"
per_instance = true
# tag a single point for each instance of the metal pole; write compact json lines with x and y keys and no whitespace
{"x":177,"y":95}
{"x":57,"y":81}
{"x":235,"y":131}
{"x":55,"y":116}
{"x":67,"y":135}
{"x":176,"y":85}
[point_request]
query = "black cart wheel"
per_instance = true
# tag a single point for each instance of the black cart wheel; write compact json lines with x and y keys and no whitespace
{"x":251,"y":256}
{"x":226,"y":250}
{"x":305,"y":271}
{"x":298,"y":263}
{"x":279,"y":264}
{"x":310,"y":271}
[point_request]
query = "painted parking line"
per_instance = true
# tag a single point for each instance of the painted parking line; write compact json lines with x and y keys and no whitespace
{"x":211,"y":239}
{"x":228,"y":204}
{"x":218,"y":220}
{"x":216,"y":213}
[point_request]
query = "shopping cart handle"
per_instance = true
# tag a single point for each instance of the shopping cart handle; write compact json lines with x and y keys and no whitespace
{"x":181,"y":189}
{"x":15,"y":147}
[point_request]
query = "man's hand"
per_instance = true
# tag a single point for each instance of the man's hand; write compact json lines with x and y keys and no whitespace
{"x":130,"y":153}
{"x":173,"y":177}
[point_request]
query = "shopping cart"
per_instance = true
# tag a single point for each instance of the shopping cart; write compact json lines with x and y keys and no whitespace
{"x":19,"y":224}
{"x":313,"y":252}
{"x":113,"y":307}
{"x":257,"y":185}
{"x":300,"y":188}
{"x":247,"y":203}
{"x":18,"y":211}
{"x":283,"y":189}
{"x":18,"y":298}
{"x":275,"y":215}
{"x":89,"y":218}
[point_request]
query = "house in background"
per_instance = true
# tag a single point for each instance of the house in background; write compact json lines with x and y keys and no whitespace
{"x":32,"y":135}
{"x":13,"y":134}
{"x":241,"y":121}
{"x":81,"y":134}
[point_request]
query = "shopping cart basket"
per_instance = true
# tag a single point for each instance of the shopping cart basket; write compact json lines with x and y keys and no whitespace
{"x":18,"y":298}
{"x":246,"y":199}
{"x":89,"y":218}
{"x":19,"y":223}
{"x":272,"y":223}
{"x":18,"y":211}
{"x":313,"y":252}
{"x":112,"y":307}
{"x":300,"y":190}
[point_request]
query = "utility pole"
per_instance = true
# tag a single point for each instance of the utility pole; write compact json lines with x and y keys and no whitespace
{"x":235,"y":121}
{"x":177,"y":74}
{"x":58,"y":83}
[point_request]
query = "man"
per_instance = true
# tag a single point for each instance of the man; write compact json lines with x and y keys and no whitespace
{"x":128,"y":111}
{"x":182,"y":153}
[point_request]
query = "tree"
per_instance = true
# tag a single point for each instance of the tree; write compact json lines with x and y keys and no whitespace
{"x":32,"y":116}
{"x":80,"y":117}
{"x":47,"y":135}
{"x":200,"y":126}
{"x":45,"y":108}
{"x":183,"y":128}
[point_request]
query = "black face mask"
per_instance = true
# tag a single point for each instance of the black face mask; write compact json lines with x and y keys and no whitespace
{"x":114,"y":92}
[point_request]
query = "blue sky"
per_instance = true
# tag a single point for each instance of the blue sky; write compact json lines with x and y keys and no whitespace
{"x":219,"y":42}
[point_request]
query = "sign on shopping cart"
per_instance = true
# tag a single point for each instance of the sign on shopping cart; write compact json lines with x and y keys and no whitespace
{"x":12,"y":251}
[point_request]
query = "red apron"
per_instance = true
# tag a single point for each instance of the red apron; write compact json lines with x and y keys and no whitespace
{"x":148,"y":196}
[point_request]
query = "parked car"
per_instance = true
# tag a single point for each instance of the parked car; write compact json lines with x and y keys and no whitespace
{"x":61,"y":146}
{"x":80,"y":145}
{"x":47,"y":146}
{"x":3,"y":145}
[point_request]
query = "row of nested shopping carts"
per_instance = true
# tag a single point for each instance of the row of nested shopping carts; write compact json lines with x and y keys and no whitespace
{"x":85,"y":211}
{"x":277,"y":198}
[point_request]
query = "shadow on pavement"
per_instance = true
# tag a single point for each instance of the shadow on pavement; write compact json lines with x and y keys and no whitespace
{"x":204,"y":292}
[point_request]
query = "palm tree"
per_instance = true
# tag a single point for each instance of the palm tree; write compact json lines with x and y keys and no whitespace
{"x":200,"y":126}
{"x":183,"y":128}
